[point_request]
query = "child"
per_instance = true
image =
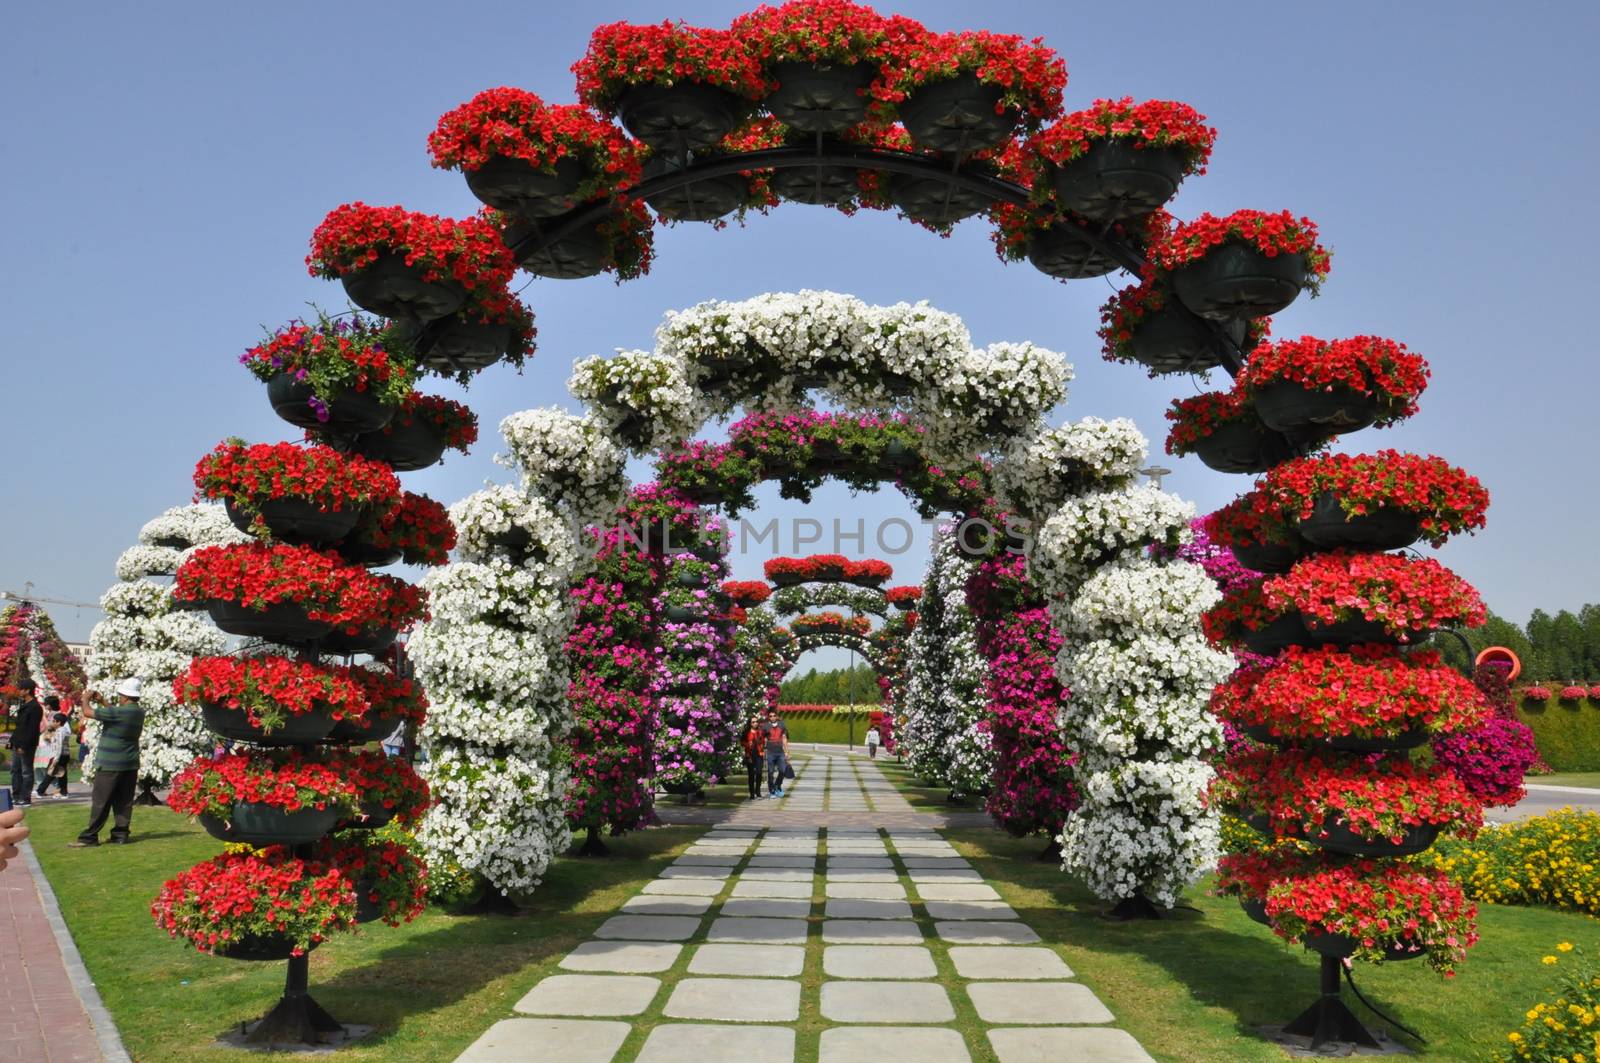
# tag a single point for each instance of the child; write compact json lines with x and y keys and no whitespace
{"x":50,"y":763}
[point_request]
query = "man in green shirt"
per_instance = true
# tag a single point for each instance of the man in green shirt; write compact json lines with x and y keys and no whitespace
{"x":116,"y":758}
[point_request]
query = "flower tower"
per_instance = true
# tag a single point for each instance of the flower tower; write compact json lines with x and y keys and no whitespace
{"x":303,"y":787}
{"x":1342,"y":698}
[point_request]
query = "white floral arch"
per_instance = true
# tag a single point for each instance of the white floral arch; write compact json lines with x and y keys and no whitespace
{"x":1139,"y":671}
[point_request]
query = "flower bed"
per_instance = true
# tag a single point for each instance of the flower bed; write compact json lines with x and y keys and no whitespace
{"x":1363,"y":692}
{"x":1544,"y":860}
{"x":1379,"y":369}
{"x":246,"y":476}
{"x":1559,"y":1030}
{"x":270,"y":689}
{"x":1405,"y":596}
{"x":1270,"y":234}
{"x":289,"y":782}
{"x":354,"y":353}
{"x":242,"y":899}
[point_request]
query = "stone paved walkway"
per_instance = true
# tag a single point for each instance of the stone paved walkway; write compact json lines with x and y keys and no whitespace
{"x":743,"y":949}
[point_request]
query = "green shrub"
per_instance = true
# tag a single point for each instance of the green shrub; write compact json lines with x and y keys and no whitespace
{"x":1567,"y":732}
{"x":832,"y":730}
{"x":1563,"y":1030}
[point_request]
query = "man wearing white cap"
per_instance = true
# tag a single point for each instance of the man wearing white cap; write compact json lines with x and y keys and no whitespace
{"x":116,"y":758}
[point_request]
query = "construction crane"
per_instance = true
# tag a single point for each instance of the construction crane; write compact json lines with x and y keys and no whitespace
{"x":27,"y":595}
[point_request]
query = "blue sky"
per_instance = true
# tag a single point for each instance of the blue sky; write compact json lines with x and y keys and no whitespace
{"x":168,"y":161}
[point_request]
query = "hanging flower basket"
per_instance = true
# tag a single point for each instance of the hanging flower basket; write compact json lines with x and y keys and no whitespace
{"x":1276,"y":635}
{"x":265,"y":798}
{"x":935,"y":203}
{"x":1334,"y":386}
{"x":285,"y":622}
{"x":822,"y":186}
{"x":1343,"y":946}
{"x":1382,"y":528}
{"x":1358,"y":630}
{"x":1288,"y":407}
{"x":257,"y":823}
{"x":259,"y":949}
{"x":270,"y":700}
{"x":346,"y":410}
{"x":685,"y":116}
{"x":1060,"y":251}
{"x":1119,"y":159}
{"x":1255,"y":909}
{"x":705,"y":199}
{"x":1361,"y":597}
{"x":959,"y":115}
{"x":373,"y":640}
{"x":1237,"y":281}
{"x":459,"y":343}
{"x":291,"y":493}
{"x":1337,"y":836}
{"x":408,"y":444}
{"x":1396,"y":743}
{"x":1222,"y":430}
{"x":1268,"y":557}
{"x":255,"y":905}
{"x":301,"y":729}
{"x":389,"y":790}
{"x":522,"y":188}
{"x":820,"y":97}
{"x":295,"y":521}
{"x":576,"y":255}
{"x":390,"y":287}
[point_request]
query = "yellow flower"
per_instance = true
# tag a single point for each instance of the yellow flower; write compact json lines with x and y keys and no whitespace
{"x":1565,"y":946}
{"x":1549,"y":960}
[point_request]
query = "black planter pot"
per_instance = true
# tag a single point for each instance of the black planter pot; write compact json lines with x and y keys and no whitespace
{"x":683,"y":614}
{"x":897,"y":455}
{"x":821,"y":186}
{"x":260,"y":950}
{"x":693,"y":579}
{"x":370,"y":640}
{"x":1359,"y":630}
{"x":822,"y":97}
{"x":1341,"y":839}
{"x":1114,"y":179}
{"x":905,"y":607}
{"x":1240,"y":446}
{"x":1234,"y":280}
{"x":1287,"y":407}
{"x":1060,"y":251}
{"x":258,"y":824}
{"x":1256,"y":909}
{"x":707,"y":199}
{"x":934,"y":202}
{"x":404,"y":448}
{"x":350,"y":412}
{"x":367,"y":555}
{"x":285,"y":622}
{"x":1260,"y":733}
{"x":1259,"y":822}
{"x":1271,"y":558}
{"x":1172,"y":340}
{"x":390,"y":287}
{"x":1398,"y":743}
{"x":519,"y":187}
{"x":957,"y":115}
{"x":454,"y":344}
{"x":296,"y":730}
{"x":786,"y":579}
{"x":1383,"y":529}
{"x":1281,"y":633}
{"x":373,"y":816}
{"x":374,"y":727}
{"x":367,"y":910}
{"x":687,"y":688}
{"x":686,"y":116}
{"x":580,"y":254}
{"x":707,"y":551}
{"x":298,"y":522}
{"x":1339,"y":946}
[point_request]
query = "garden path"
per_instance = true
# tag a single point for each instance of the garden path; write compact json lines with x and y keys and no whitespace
{"x":895,"y":947}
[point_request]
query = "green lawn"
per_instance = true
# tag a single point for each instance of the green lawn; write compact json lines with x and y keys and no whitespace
{"x":921,"y":796}
{"x":429,"y":988}
{"x":1590,"y":779}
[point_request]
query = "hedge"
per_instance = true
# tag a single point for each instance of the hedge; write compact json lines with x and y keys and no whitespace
{"x":1567,"y":732}
{"x":828,"y":728}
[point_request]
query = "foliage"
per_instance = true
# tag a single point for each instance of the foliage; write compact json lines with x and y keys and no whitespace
{"x":258,"y":896}
{"x":835,"y":686}
{"x":1562,"y":1030}
{"x":1551,"y":860}
{"x":334,"y":354}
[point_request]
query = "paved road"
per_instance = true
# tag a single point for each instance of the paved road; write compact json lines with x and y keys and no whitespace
{"x":1542,"y":799}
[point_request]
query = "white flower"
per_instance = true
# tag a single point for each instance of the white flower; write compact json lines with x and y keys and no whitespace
{"x":482,"y":660}
{"x":139,"y":560}
{"x":640,"y":395}
{"x":1040,"y":472}
{"x":487,"y":520}
{"x":1090,"y":530}
{"x":509,"y":595}
{"x":569,"y":460}
{"x":200,"y":524}
{"x":1136,"y":593}
{"x":136,"y":598}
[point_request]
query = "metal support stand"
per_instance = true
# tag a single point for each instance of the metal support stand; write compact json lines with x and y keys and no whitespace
{"x":1137,"y":907}
{"x":1329,"y":1019}
{"x":296,"y":1019}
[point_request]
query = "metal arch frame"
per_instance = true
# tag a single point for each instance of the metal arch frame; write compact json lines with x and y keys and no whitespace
{"x":834,"y":153}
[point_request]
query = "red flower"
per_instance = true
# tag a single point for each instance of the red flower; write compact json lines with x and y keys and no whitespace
{"x":247,"y":476}
{"x":254,"y":897}
{"x":1406,"y":595}
{"x":896,"y":595}
{"x":1540,"y":694}
{"x":290,"y":781}
{"x":416,"y":526}
{"x":386,"y":784}
{"x":1124,"y":312}
{"x":260,"y":576}
{"x":1444,"y":499}
{"x":468,"y":252}
{"x":455,"y":422}
{"x":622,"y":55}
{"x":1030,"y":75}
{"x":268,"y":689}
{"x":355,"y":352}
{"x":747,"y":592}
{"x":1271,"y":234}
{"x":1367,"y":365}
{"x":1197,"y":418}
{"x":1151,"y":124}
{"x":830,"y":623}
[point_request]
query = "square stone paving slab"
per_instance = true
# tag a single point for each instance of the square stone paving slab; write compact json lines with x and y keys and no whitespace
{"x":886,"y":1002}
{"x":569,"y":1040}
{"x":1037,"y":1003}
{"x":859,"y":863}
{"x":767,"y":907}
{"x":688,"y":887}
{"x":954,"y":863}
{"x":649,"y":927}
{"x":852,"y":874}
{"x":749,"y":961}
{"x":590,"y":994}
{"x":674,"y":871}
{"x":776,"y":874}
{"x":867,"y":891}
{"x":870,"y":932}
{"x":695,"y":1043}
{"x":873,"y":1044}
{"x":702,"y":860}
{"x":758,"y":931}
{"x":986,"y":932}
{"x":969,"y":909}
{"x":942,"y":874}
{"x":625,"y":957}
{"x":1008,"y":961}
{"x":735,"y":1000}
{"x":878,"y":961}
{"x":796,"y":860}
{"x":772,"y":889}
{"x":1099,"y":1044}
{"x":856,"y":908}
{"x":956,"y":891}
{"x":665,"y":904}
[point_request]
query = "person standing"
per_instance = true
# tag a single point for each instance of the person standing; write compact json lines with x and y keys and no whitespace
{"x":25,"y":743}
{"x":48,"y":765}
{"x":873,"y":738}
{"x":754,"y":742}
{"x":776,"y":737}
{"x":116,"y":758}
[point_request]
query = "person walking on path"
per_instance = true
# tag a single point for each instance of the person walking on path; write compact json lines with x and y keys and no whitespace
{"x":25,"y":743}
{"x":116,"y":763}
{"x":753,"y":741}
{"x":50,"y":763}
{"x":776,"y":737}
{"x":873,"y":738}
